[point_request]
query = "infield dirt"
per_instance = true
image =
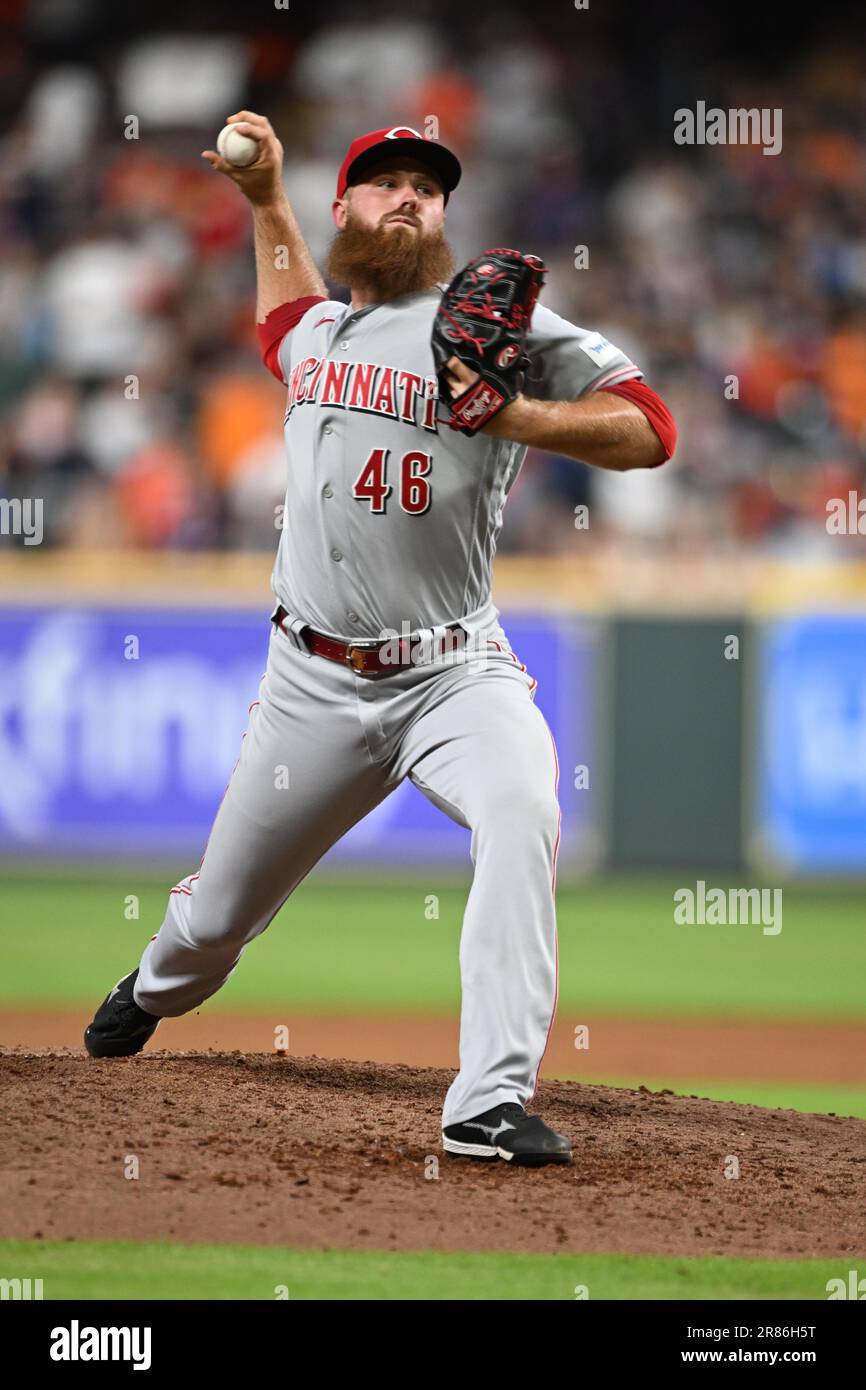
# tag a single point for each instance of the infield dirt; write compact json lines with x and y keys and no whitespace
{"x":315,"y":1152}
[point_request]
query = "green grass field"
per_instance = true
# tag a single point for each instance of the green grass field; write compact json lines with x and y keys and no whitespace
{"x":98,"y":1269}
{"x":772,"y":1095}
{"x":371,"y":947}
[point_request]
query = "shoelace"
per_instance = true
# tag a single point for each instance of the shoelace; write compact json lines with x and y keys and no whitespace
{"x":130,"y":1009}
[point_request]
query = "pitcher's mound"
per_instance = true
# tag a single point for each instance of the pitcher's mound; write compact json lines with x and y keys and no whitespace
{"x":306,"y":1151}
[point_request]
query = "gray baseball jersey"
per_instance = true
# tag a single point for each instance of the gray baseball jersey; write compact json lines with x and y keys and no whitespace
{"x":392,"y":517}
{"x":390,"y":524}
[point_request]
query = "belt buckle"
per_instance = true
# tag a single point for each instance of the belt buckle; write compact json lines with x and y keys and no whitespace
{"x":354,"y":656}
{"x":355,"y":652}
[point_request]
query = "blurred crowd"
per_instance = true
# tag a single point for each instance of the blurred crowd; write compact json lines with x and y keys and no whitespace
{"x":133,"y":398}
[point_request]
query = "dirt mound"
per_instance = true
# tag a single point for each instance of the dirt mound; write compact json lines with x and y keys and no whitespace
{"x":723,"y":1049}
{"x":314,"y":1152}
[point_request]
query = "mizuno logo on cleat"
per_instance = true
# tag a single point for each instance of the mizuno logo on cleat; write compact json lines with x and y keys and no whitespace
{"x":491,"y":1132}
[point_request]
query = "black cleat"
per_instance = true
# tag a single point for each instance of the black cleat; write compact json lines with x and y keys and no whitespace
{"x":508,"y":1132}
{"x":120,"y":1027}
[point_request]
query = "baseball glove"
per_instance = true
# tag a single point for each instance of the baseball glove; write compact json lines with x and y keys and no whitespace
{"x":484,"y":317}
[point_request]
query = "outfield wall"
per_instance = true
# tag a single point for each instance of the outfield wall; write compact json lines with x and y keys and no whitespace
{"x":698,"y":721}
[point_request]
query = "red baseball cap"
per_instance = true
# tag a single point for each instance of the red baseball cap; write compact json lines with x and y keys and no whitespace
{"x":367,"y":150}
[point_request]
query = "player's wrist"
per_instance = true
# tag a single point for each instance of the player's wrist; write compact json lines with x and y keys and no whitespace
{"x":512,"y":421}
{"x":270,"y":198}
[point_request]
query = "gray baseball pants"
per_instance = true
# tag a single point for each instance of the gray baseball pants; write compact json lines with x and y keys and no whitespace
{"x":323,"y":747}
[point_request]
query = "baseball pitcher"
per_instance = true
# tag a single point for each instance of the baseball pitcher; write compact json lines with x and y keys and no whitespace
{"x":409,"y":410}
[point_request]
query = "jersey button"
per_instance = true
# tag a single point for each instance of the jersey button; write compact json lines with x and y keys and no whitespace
{"x":344,"y":344}
{"x":327,"y":430}
{"x":353,"y":618}
{"x":336,"y":554}
{"x":327,"y":492}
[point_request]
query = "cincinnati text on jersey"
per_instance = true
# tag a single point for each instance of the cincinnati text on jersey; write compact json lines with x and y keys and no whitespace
{"x":369,"y":387}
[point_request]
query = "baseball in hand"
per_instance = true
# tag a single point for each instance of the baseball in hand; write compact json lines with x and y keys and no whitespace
{"x":237,"y":149}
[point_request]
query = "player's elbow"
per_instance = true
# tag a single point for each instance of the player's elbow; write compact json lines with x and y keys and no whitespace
{"x":655,"y":439}
{"x":647,"y":451}
{"x":643,"y":453}
{"x":655,"y":452}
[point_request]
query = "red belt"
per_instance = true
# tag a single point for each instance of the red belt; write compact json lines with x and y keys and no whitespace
{"x":382,"y":656}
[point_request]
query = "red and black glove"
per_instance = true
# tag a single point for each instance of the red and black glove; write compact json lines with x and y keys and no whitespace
{"x":484,"y":319}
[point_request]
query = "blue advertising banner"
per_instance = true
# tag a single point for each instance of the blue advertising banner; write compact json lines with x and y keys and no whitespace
{"x":119,"y":729}
{"x":810,"y":792}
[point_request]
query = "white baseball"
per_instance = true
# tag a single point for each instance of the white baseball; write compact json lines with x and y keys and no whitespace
{"x":236,"y":148}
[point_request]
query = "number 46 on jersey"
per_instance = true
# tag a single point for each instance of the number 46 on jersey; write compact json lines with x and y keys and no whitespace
{"x":372,"y":484}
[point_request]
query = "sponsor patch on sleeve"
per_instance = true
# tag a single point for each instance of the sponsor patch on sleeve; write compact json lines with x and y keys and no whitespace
{"x":596,"y":346}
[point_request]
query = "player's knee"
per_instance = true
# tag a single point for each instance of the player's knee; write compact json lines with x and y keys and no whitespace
{"x":542,"y":816}
{"x":206,"y":933}
{"x":523,"y":817}
{"x":213,"y":925}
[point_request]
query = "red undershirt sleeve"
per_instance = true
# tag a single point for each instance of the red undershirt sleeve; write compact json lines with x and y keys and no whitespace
{"x":278,"y":323}
{"x":654,"y":408}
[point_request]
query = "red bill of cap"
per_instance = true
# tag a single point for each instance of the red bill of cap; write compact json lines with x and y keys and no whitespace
{"x":368,"y":149}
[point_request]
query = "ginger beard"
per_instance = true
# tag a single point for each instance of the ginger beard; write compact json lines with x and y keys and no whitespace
{"x":388,"y":261}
